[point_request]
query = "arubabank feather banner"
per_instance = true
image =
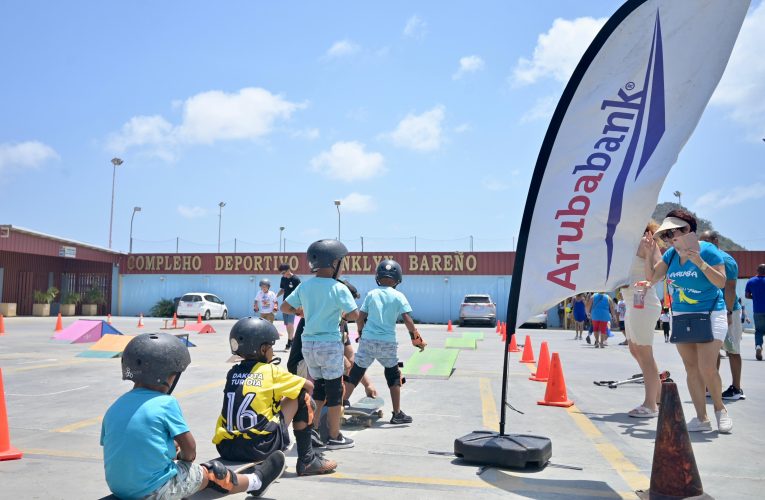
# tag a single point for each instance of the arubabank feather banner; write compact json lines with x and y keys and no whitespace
{"x":627,"y":111}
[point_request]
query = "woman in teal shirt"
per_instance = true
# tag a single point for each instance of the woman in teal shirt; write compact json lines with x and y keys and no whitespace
{"x":695,"y":276}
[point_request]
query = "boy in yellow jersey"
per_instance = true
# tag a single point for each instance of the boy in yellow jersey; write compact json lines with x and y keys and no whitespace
{"x":261,"y":400}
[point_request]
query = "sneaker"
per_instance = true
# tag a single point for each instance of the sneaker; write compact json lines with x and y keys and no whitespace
{"x":588,"y":339}
{"x":319,"y":465}
{"x":724,"y":422}
{"x":339,"y":442}
{"x":597,"y":344}
{"x":400,"y":418}
{"x":696,"y":425}
{"x":346,"y":404}
{"x":733,"y":393}
{"x":316,"y":441}
{"x":623,"y":343}
{"x":269,"y":471}
{"x":758,"y":352}
{"x":289,"y":344}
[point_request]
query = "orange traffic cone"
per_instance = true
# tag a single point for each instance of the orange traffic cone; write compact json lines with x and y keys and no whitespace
{"x":555,"y":393}
{"x":59,"y":324}
{"x":513,"y":347}
{"x":499,"y":327}
{"x":543,"y":368}
{"x":528,"y":353}
{"x":140,"y":321}
{"x":199,"y":318}
{"x":2,"y":325}
{"x":175,"y":320}
{"x":7,"y":452}
{"x":109,"y":319}
{"x":449,"y":326}
{"x":504,"y":335}
{"x":674,"y":473}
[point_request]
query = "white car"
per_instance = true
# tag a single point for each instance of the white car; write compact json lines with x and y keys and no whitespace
{"x":206,"y":304}
{"x":478,"y":308}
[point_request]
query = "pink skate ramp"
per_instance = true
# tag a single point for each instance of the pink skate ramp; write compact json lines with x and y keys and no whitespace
{"x":81,"y":331}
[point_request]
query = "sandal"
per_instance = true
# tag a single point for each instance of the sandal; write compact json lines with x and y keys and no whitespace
{"x":643,"y":412}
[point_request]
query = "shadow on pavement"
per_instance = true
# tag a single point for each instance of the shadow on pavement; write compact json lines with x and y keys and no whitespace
{"x":531,"y":487}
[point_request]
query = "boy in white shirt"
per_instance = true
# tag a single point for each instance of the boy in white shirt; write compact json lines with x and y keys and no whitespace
{"x":265,"y":301}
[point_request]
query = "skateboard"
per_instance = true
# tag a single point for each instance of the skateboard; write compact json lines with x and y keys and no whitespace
{"x":238,"y":467}
{"x":365,"y":411}
{"x":634,"y":379}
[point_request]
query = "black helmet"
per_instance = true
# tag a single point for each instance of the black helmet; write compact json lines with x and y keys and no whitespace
{"x":323,"y":253}
{"x":265,"y":281}
{"x":150,"y":358}
{"x":389,"y":268}
{"x":248,"y":334}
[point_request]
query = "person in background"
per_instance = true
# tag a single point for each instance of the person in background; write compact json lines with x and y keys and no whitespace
{"x":601,"y":310}
{"x":665,"y":318}
{"x":287,"y":285}
{"x":621,"y":309}
{"x":755,"y":290}
{"x":580,"y":315}
{"x":265,"y":301}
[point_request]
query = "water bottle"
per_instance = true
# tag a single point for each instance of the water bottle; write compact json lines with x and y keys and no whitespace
{"x":638,"y":299}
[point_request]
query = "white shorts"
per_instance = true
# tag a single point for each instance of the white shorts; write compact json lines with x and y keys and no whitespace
{"x":732,"y":344}
{"x":719,"y":323}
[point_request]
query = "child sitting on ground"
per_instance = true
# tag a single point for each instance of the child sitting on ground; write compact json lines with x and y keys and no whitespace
{"x":377,"y":332}
{"x":265,"y":301}
{"x":148,"y":448}
{"x":261,"y":400}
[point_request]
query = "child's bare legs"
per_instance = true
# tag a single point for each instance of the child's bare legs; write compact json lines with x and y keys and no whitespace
{"x":365,"y":380}
{"x":395,"y":398}
{"x":289,"y":410}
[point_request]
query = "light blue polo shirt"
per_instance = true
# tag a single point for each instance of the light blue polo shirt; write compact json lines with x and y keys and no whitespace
{"x":137,"y":435}
{"x":731,"y":273}
{"x":383,"y":307}
{"x":691,"y":290}
{"x":323,"y":301}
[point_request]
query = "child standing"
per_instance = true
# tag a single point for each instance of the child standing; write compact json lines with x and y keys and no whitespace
{"x":261,"y":400}
{"x":664,"y":318}
{"x":377,"y":323}
{"x":323,"y":301}
{"x":148,"y":448}
{"x":265,"y":301}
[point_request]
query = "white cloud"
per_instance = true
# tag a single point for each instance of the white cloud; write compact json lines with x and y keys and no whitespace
{"x":558,"y":51}
{"x":420,"y":132}
{"x":468,"y":64}
{"x":494,"y":185}
{"x":462,"y":128}
{"x":722,"y":198}
{"x":191,"y":212}
{"x":349,"y":161}
{"x":542,"y":109}
{"x":342,"y":48}
{"x":208,"y":117}
{"x":29,"y":154}
{"x":356,"y":202}
{"x":415,"y":27}
{"x":742,"y":87}
{"x":309,"y":133}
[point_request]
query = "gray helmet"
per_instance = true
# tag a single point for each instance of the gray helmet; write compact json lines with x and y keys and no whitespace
{"x":323,"y":253}
{"x":248,"y":334}
{"x":152,"y":357}
{"x":389,"y":268}
{"x":265,"y":281}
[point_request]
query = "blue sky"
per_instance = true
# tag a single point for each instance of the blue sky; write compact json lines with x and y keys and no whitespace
{"x":424,"y":118}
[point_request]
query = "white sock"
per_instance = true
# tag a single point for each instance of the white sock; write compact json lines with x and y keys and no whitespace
{"x":255,"y":482}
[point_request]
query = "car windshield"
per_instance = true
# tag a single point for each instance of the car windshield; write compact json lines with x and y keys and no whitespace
{"x":477,"y":299}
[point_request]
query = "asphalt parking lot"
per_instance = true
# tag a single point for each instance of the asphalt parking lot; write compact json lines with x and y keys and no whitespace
{"x":55,"y":401}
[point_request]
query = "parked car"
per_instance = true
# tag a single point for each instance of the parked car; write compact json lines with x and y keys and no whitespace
{"x":536,"y":321}
{"x":478,"y":308}
{"x":206,"y":304}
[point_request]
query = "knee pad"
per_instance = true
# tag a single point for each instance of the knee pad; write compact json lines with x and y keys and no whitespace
{"x":219,"y":477}
{"x":393,"y":376}
{"x":334,"y":392}
{"x":319,"y":392}
{"x":306,"y":408}
{"x":356,"y":374}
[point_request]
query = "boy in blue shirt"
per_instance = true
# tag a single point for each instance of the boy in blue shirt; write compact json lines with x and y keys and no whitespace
{"x":377,"y":323}
{"x":148,"y":448}
{"x":323,"y":302}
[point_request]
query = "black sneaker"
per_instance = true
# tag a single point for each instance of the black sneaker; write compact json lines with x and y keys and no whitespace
{"x":316,"y":441}
{"x":588,"y":339}
{"x":758,"y":352}
{"x":346,"y":404}
{"x":319,"y":465}
{"x":339,"y":442}
{"x":732,"y":393}
{"x":400,"y":418}
{"x":269,"y":471}
{"x":289,"y":344}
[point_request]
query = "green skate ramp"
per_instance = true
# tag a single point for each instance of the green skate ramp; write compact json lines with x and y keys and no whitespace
{"x":460,"y":343}
{"x":431,"y":363}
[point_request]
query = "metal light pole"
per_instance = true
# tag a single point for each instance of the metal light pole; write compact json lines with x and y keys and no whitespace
{"x":135,"y":209}
{"x":679,"y":200}
{"x":337,"y":204}
{"x":281,"y":231}
{"x":220,"y":218}
{"x":116,"y":162}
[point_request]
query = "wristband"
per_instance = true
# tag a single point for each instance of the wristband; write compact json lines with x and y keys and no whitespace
{"x":704,"y":265}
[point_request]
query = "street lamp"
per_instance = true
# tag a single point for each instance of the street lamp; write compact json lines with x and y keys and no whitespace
{"x":116,"y":162}
{"x":679,"y":200}
{"x":135,"y":209}
{"x":281,"y":230}
{"x":220,"y":218}
{"x":337,"y":204}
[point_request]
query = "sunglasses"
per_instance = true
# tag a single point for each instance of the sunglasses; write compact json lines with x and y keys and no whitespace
{"x":669,"y":234}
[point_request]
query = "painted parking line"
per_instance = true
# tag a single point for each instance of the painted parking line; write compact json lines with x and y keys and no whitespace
{"x":12,"y":369}
{"x":488,"y":406}
{"x":79,"y":425}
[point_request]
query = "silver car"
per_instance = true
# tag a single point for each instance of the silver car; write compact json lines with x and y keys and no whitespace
{"x":478,"y":308}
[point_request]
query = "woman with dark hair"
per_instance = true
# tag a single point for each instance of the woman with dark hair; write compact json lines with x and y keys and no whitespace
{"x":695,"y":272}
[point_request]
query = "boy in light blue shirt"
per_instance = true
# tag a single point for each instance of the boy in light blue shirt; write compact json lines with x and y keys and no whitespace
{"x":324,"y":301}
{"x":377,"y":332}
